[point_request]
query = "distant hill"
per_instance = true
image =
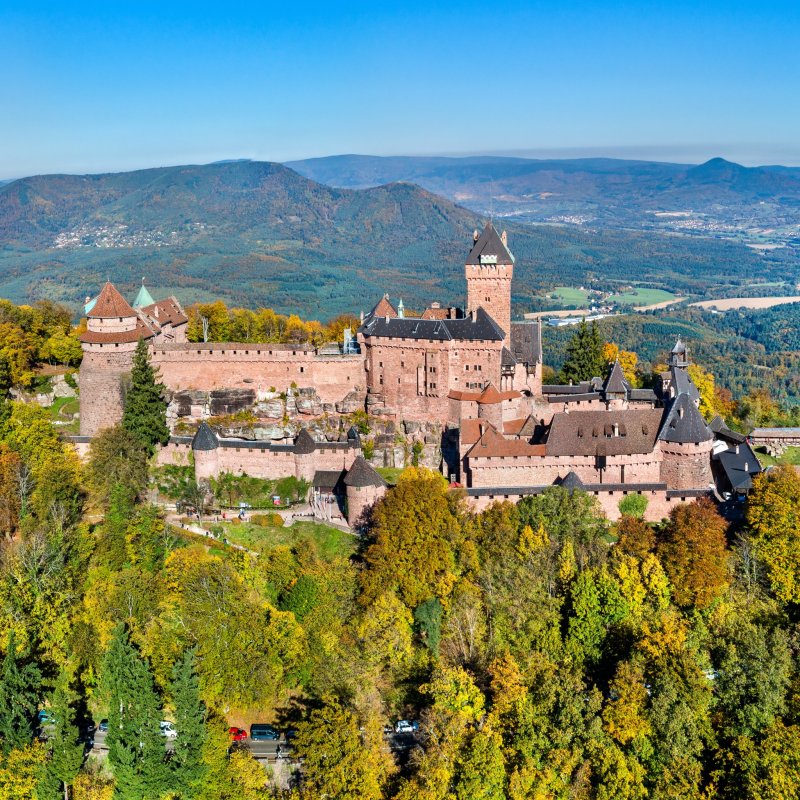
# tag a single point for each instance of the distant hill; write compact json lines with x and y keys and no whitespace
{"x":718,"y":197}
{"x":256,"y":233}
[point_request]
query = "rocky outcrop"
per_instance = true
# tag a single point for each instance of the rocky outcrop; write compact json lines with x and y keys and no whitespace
{"x":352,"y":402}
{"x":229,"y":401}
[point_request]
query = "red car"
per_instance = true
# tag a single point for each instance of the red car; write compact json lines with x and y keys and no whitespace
{"x":237,"y":734}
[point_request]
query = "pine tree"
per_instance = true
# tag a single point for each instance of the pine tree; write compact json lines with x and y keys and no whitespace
{"x":145,"y":414}
{"x":18,"y":700}
{"x":188,"y":768}
{"x":584,"y":358}
{"x":66,"y":755}
{"x":135,"y":745}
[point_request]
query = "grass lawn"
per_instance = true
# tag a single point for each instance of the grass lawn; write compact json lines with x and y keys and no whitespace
{"x":790,"y":456}
{"x":569,"y":296}
{"x":390,"y":474}
{"x":642,"y":297}
{"x":62,"y":411}
{"x":330,"y":542}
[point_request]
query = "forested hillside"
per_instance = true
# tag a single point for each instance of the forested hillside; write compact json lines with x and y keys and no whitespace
{"x":257,"y":234}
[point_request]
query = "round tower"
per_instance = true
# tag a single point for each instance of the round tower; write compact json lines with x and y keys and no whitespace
{"x":364,"y":488}
{"x":489,"y":271}
{"x":686,"y":443}
{"x":205,"y":449}
{"x":112,"y":333}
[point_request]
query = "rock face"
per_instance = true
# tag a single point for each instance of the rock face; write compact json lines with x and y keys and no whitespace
{"x":308,"y":402}
{"x":229,"y":401}
{"x":352,"y":402}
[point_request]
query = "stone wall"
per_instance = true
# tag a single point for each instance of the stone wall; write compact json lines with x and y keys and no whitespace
{"x":686,"y":466}
{"x":489,"y":287}
{"x":103,"y":371}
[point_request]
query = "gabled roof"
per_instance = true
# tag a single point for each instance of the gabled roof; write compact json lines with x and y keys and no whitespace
{"x":205,"y":438}
{"x":506,"y":358}
{"x":490,"y":395}
{"x":166,"y":312}
{"x":110,"y":303}
{"x":616,"y":383}
{"x":489,"y":249}
{"x":683,"y":383}
{"x":684,"y":424}
{"x":362,"y":473}
{"x":603,"y":432}
{"x":739,"y":463}
{"x":481,"y":328}
{"x":384,"y":308}
{"x":494,"y":445}
{"x":718,"y":426}
{"x":143,"y":298}
{"x":328,"y":480}
{"x":304,"y":443}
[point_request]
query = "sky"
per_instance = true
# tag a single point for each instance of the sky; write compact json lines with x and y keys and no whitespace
{"x":111,"y":86}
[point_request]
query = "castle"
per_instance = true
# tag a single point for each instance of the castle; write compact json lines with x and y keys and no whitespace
{"x":474,"y":371}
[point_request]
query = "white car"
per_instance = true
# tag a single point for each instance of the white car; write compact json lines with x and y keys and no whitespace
{"x":404,"y":726}
{"x":168,"y":730}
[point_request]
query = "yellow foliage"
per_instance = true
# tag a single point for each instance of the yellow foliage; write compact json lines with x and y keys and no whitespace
{"x":19,"y":772}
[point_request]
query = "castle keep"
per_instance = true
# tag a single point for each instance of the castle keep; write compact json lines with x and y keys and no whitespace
{"x":472,"y":373}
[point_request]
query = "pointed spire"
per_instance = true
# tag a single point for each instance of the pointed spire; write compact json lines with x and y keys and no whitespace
{"x":143,"y":298}
{"x":490,"y":248}
{"x":110,"y":303}
{"x":401,"y":309}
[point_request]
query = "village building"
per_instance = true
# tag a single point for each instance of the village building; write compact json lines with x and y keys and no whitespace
{"x":472,"y":370}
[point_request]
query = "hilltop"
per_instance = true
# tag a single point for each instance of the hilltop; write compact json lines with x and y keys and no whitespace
{"x":258,"y":233}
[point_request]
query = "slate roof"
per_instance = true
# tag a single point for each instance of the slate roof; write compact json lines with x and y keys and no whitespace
{"x":110,"y":303}
{"x":328,"y":480}
{"x":489,"y":248}
{"x":684,"y":423}
{"x":572,"y":481}
{"x":304,"y":443}
{"x":739,"y":464}
{"x":722,"y":431}
{"x":482,"y":328}
{"x":362,"y":473}
{"x":205,"y":438}
{"x":683,"y":384}
{"x":506,"y":358}
{"x":526,"y":342}
{"x":591,"y":433}
{"x":616,"y":383}
{"x":643,"y":394}
{"x":583,"y":387}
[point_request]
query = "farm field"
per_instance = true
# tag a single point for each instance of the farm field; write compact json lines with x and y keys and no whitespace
{"x":729,"y":303}
{"x":569,"y":295}
{"x":643,"y":297}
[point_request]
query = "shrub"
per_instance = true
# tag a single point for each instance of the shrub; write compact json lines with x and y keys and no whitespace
{"x":268,"y":520}
{"x":634,"y":505}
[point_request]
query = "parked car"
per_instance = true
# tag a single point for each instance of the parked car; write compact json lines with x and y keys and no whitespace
{"x":168,"y":730}
{"x":103,"y":726}
{"x":405,"y":726}
{"x":260,"y":732}
{"x":46,"y":717}
{"x":237,"y":734}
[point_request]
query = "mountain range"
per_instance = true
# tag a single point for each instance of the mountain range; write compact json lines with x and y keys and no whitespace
{"x":258,"y":233}
{"x":718,"y":197}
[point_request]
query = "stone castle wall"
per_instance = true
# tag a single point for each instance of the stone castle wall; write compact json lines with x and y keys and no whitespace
{"x":260,"y":367}
{"x":489,"y":286}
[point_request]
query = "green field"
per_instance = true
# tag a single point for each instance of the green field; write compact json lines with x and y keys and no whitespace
{"x":790,"y":456}
{"x":569,"y":296}
{"x":329,"y":542}
{"x":642,"y":297}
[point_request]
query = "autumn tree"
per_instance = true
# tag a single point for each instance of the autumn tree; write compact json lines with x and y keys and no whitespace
{"x":413,"y":537}
{"x":145,"y":412}
{"x":773,"y":516}
{"x":117,"y":458}
{"x":628,"y":360}
{"x":694,"y":553}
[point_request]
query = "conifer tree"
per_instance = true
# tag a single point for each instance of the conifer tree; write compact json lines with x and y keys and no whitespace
{"x":188,"y":767}
{"x":135,"y":745}
{"x":145,"y":414}
{"x":584,"y":358}
{"x":19,"y":686}
{"x":66,"y":754}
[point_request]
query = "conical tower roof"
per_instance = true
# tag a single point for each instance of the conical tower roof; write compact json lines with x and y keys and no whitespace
{"x":304,"y":443}
{"x":616,"y":383}
{"x":362,"y":473}
{"x":110,"y":303}
{"x":144,"y":298}
{"x":205,"y":438}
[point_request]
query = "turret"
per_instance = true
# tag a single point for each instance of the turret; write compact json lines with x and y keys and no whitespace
{"x":205,"y":449}
{"x":364,"y":488}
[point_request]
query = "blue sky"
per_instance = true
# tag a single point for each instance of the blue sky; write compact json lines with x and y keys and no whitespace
{"x":114,"y":85}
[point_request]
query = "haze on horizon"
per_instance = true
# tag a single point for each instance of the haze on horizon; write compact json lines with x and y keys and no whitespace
{"x":110,"y":87}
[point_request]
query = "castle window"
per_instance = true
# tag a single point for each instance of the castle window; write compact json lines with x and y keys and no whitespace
{"x":198,"y":352}
{"x":247,"y":352}
{"x":116,"y":344}
{"x":302,"y":369}
{"x":234,"y":352}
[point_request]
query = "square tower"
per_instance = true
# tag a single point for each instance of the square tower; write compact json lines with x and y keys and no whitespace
{"x":489,"y":271}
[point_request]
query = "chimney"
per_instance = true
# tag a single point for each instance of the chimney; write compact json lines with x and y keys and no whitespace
{"x":452,"y":312}
{"x":504,"y":238}
{"x":436,"y":304}
{"x":737,"y":449}
{"x":746,"y":466}
{"x":475,"y":235}
{"x":616,"y":429}
{"x":473,"y":315}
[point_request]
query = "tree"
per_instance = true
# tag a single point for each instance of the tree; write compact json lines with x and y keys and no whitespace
{"x":188,"y":769}
{"x":480,"y":769}
{"x":116,"y":459}
{"x":694,"y":553}
{"x":633,"y":505}
{"x":628,"y":360}
{"x":135,"y":744}
{"x":336,"y":762}
{"x":414,"y":534}
{"x":18,"y":699}
{"x":584,"y":359}
{"x":773,"y":515}
{"x":66,"y":751}
{"x":145,"y":413}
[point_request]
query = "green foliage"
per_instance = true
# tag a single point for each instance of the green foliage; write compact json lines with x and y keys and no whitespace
{"x":145,"y":412}
{"x":116,"y":458}
{"x":19,"y":688}
{"x":428,"y":618}
{"x":584,"y":358}
{"x":135,"y":745}
{"x":634,"y":505}
{"x":66,"y":751}
{"x":186,"y":765}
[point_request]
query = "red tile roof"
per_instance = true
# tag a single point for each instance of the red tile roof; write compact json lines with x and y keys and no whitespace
{"x":110,"y":303}
{"x":494,"y":445}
